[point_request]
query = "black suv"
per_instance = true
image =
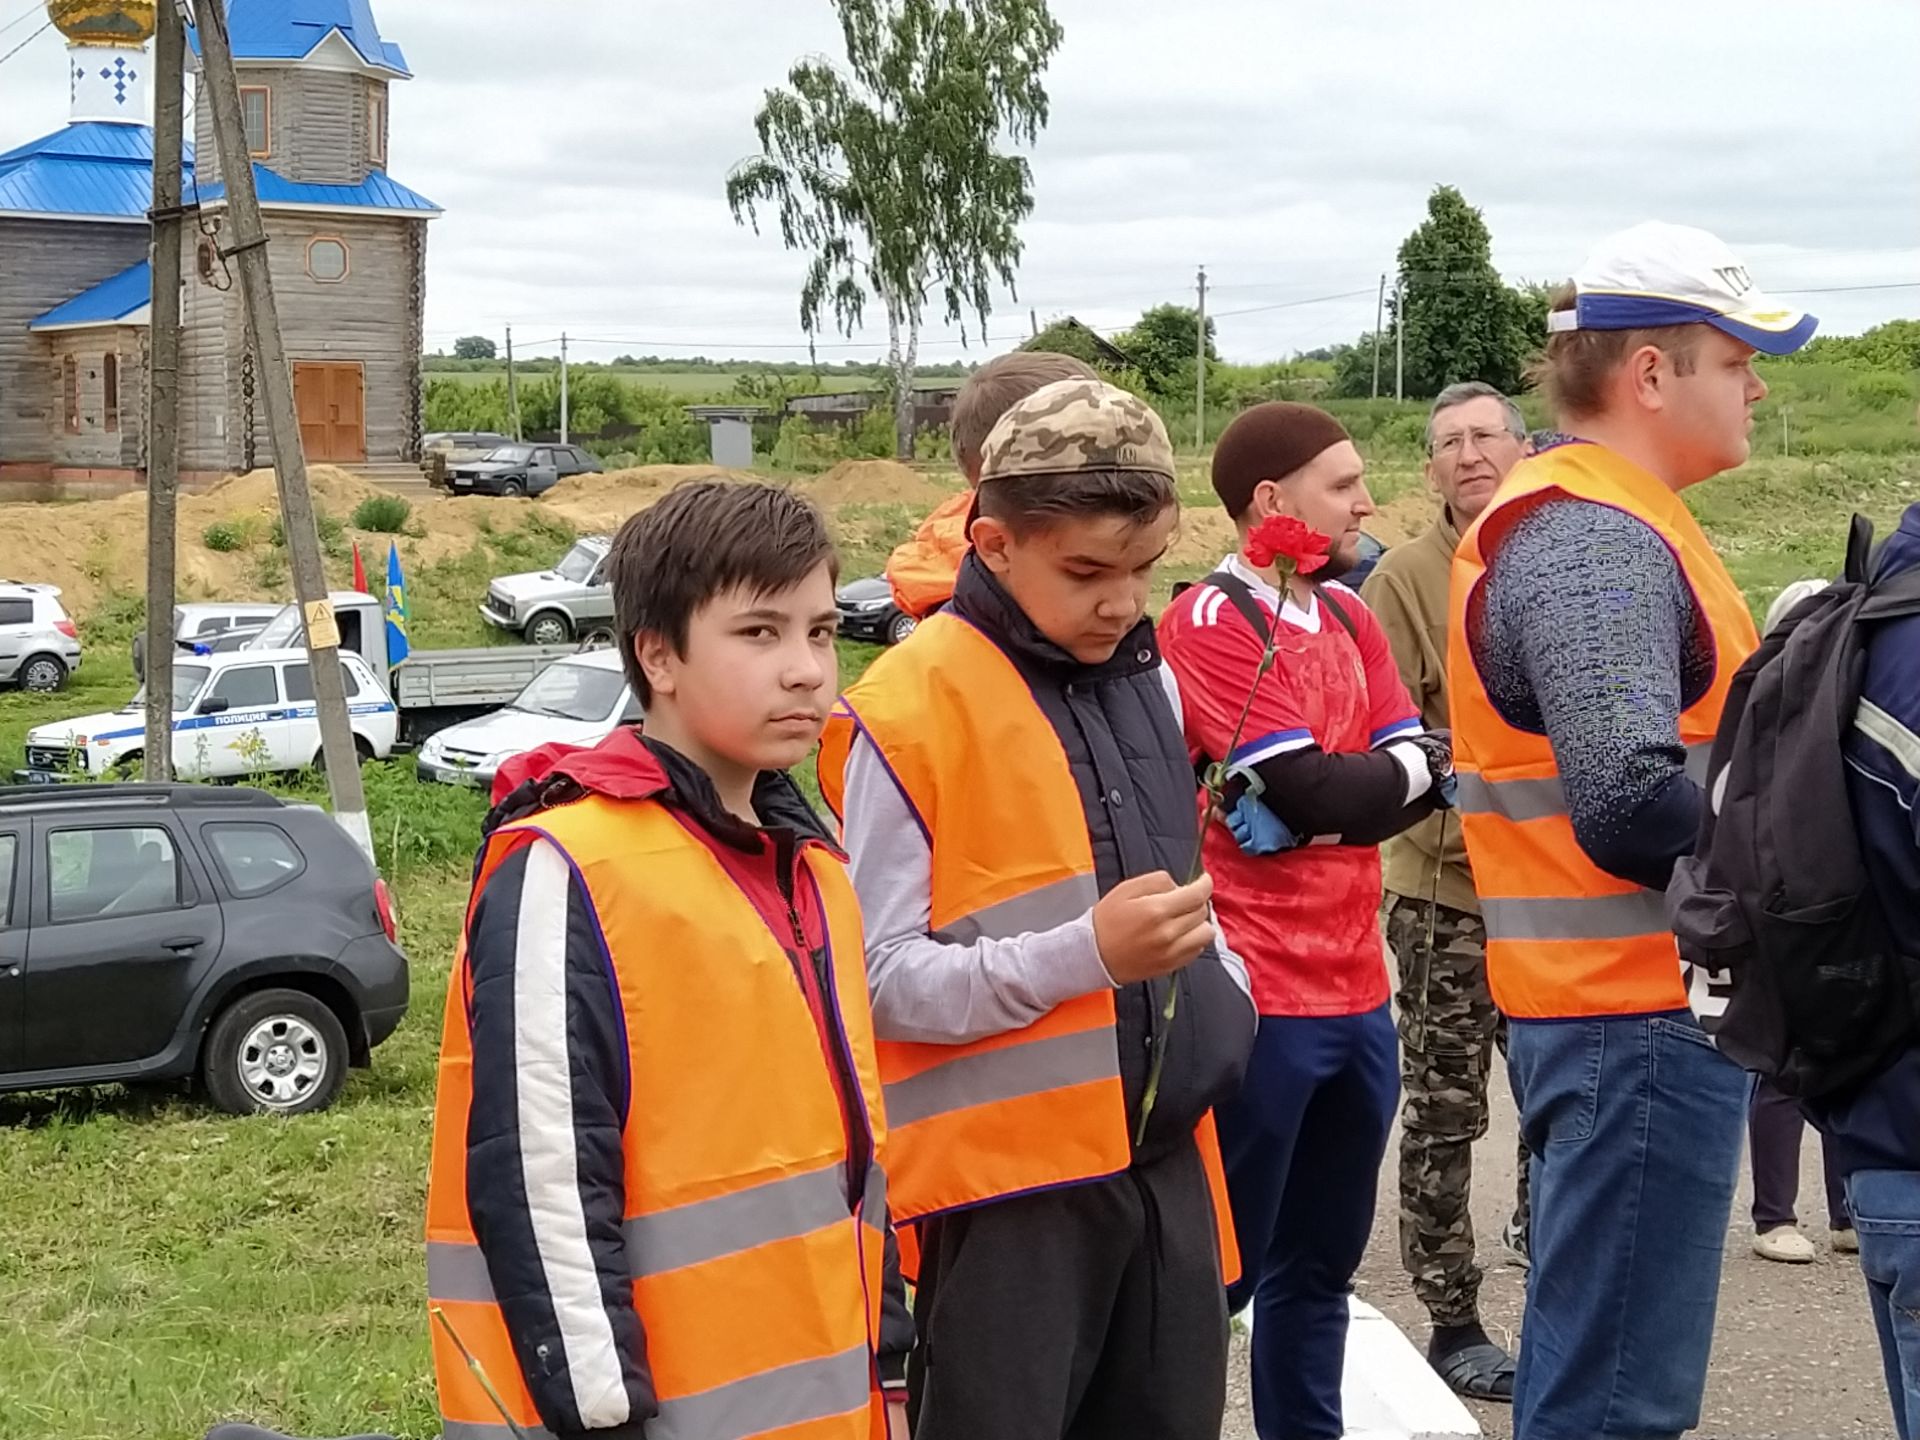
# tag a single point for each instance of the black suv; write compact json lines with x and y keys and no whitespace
{"x":520,"y":470}
{"x":158,"y":932}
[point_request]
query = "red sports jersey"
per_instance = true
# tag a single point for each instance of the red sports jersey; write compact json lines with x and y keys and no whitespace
{"x":1305,"y":920}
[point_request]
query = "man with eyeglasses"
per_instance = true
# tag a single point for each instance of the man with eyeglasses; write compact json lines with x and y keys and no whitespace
{"x":1448,"y":1023}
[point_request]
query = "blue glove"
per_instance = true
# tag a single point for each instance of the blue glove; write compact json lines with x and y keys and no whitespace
{"x":1257,"y":830}
{"x":1449,"y":791}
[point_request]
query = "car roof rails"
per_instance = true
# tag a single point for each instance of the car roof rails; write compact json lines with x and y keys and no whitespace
{"x":204,"y":797}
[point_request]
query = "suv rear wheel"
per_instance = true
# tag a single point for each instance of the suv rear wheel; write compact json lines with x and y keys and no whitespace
{"x":43,"y":673}
{"x":275,"y":1052}
{"x":549,"y":627}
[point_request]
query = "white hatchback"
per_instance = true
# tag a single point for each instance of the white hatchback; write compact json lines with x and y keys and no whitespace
{"x":246,"y":712}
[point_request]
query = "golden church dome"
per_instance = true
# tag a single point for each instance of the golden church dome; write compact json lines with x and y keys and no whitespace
{"x":103,"y":22}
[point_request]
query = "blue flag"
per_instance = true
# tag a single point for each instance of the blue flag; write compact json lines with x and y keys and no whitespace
{"x":396,"y":608}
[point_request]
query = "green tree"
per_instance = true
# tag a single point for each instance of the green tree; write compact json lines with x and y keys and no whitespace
{"x":1162,"y":345}
{"x":474,"y":347}
{"x":1462,"y":321}
{"x":890,"y":176}
{"x":1067,"y":336}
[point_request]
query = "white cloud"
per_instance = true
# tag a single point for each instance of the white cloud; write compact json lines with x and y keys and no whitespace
{"x":581,"y":151}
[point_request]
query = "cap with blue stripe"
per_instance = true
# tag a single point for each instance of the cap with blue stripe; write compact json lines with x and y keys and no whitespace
{"x":1657,"y":274}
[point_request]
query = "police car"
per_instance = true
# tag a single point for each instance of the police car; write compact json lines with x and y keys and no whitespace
{"x":241,"y":713}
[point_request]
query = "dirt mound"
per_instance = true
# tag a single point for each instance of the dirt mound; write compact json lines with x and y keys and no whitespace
{"x":334,"y":491}
{"x":95,"y":548}
{"x":601,"y":502}
{"x":1205,"y":534}
{"x":875,"y":482}
{"x":1404,"y":519}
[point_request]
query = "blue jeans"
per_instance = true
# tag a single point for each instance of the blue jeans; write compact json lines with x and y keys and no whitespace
{"x":1886,"y":1216}
{"x":1302,"y":1145}
{"x":1635,"y":1127}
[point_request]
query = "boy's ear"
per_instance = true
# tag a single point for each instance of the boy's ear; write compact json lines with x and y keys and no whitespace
{"x":655,"y":655}
{"x":992,"y":538}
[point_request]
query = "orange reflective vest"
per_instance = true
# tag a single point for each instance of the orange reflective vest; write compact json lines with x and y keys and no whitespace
{"x":1565,"y":938}
{"x":922,"y":570}
{"x":756,"y":1280}
{"x":981,"y":767}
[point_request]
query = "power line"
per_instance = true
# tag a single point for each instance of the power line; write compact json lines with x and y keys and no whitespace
{"x":25,"y":14}
{"x":1292,"y":304}
{"x":54,"y":15}
{"x":26,"y":42}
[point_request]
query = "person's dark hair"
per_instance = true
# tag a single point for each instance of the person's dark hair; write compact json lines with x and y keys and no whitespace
{"x":700,"y":541}
{"x":1573,"y":370}
{"x":996,"y":387}
{"x":1026,"y":503}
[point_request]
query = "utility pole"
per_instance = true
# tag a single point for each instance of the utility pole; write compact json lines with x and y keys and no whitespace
{"x":163,"y":384}
{"x":1200,"y":370}
{"x":513,"y":394}
{"x":563,"y":387}
{"x":1399,"y":337}
{"x":248,"y":249}
{"x":1033,"y":323}
{"x":1379,"y":319}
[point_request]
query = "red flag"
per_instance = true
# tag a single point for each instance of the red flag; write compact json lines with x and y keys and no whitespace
{"x":359,"y":570}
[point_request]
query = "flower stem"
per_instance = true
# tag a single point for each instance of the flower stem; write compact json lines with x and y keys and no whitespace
{"x":1214,"y":788}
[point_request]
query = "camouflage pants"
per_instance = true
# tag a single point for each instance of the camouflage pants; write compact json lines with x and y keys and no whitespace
{"x":1448,"y":1030}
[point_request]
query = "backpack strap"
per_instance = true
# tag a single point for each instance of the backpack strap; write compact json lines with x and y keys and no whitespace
{"x":1236,"y":590}
{"x":1339,"y":612}
{"x":1860,"y":551}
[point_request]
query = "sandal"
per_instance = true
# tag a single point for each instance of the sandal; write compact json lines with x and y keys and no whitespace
{"x":1477,"y":1372}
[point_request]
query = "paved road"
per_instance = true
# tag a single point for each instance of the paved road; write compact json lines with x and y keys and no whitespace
{"x":1794,"y":1356}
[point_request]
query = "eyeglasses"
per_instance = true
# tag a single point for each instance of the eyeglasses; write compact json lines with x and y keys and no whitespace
{"x":1450,"y":446}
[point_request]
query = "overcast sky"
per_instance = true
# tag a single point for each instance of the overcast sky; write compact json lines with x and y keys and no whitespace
{"x":580,"y":152}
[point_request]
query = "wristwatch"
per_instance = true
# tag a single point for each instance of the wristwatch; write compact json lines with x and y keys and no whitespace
{"x":1438,"y":750}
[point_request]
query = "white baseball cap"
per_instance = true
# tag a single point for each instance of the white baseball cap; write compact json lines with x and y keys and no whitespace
{"x":1659,"y":274}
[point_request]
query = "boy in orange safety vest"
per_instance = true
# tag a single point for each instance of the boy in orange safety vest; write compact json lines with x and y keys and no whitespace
{"x":1057,"y":1015}
{"x":657,"y":1203}
{"x":921,"y":569}
{"x":1593,"y":635}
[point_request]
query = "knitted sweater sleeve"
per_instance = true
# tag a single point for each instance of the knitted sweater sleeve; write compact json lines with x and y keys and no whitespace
{"x":1590,"y":637}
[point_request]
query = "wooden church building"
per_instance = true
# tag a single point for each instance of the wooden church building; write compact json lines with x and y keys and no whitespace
{"x":347,"y":245}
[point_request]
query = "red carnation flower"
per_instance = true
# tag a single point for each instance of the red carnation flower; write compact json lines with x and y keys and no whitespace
{"x":1282,"y":537}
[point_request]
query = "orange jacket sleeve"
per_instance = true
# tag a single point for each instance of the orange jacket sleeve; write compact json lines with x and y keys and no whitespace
{"x":922,"y":570}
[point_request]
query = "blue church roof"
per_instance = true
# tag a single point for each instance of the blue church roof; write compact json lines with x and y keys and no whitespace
{"x":290,"y":29}
{"x":110,"y":300}
{"x":376,"y":192}
{"x":95,"y":168}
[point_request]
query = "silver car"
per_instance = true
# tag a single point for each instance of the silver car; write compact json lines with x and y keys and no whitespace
{"x":39,"y":644}
{"x":551,"y":607}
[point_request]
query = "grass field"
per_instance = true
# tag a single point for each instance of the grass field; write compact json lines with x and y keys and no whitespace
{"x":166,"y":1266}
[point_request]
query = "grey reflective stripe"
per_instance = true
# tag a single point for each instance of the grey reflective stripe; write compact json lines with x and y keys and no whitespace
{"x":1046,"y":908}
{"x":1006,"y":1074}
{"x":1512,"y":799}
{"x":873,"y":1205}
{"x":771,"y":1400}
{"x":490,"y":1430}
{"x":690,"y":1234}
{"x":457,"y":1272}
{"x":1576,"y":917}
{"x":1521,"y":800}
{"x":707,"y":1229}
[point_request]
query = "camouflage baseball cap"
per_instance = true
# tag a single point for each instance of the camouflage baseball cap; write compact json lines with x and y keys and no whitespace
{"x":1075,"y":425}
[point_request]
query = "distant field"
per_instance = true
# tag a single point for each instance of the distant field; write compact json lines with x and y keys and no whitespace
{"x":691,"y":383}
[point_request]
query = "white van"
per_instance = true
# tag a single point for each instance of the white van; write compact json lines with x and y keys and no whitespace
{"x":240,"y":713}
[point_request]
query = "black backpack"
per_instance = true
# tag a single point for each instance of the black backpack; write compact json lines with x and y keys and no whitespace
{"x":1776,"y":898}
